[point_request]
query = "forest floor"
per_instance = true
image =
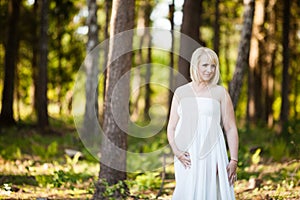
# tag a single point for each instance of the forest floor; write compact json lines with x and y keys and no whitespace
{"x":35,"y":166}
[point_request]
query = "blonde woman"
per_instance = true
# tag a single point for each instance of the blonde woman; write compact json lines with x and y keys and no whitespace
{"x":199,"y":110}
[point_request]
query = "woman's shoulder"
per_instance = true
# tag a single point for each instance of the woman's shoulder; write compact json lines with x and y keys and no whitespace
{"x":219,"y":91}
{"x":183,"y":90}
{"x":183,"y":87}
{"x":219,"y":88}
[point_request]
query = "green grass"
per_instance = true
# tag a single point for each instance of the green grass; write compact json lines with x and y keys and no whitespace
{"x":33,"y":164}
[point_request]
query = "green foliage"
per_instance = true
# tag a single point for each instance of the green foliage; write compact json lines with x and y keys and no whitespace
{"x":244,"y":156}
{"x":38,"y":150}
{"x":275,"y":180}
{"x":73,"y":161}
{"x":151,"y":160}
{"x":148,"y":181}
{"x":119,"y":188}
{"x":255,"y":158}
{"x":47,"y":152}
{"x":18,"y":180}
{"x":271,"y":145}
{"x":294,"y":137}
{"x":279,"y":149}
{"x":14,"y":144}
{"x":51,"y":150}
{"x":89,"y":157}
{"x":44,"y":180}
{"x":244,"y":174}
{"x":70,"y":175}
{"x":11,"y":152}
{"x":61,"y":178}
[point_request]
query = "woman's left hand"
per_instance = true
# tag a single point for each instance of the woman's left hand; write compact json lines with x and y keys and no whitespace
{"x":231,"y":171}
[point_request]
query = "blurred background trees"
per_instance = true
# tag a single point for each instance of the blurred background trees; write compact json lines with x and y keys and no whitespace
{"x":269,"y":97}
{"x":44,"y":42}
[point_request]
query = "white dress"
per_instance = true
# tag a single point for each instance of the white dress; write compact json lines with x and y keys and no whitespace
{"x":199,"y":132}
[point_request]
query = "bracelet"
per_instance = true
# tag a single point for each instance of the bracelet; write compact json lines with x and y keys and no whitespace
{"x":234,"y":159}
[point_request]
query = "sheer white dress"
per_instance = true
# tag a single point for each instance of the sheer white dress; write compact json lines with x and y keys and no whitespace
{"x":199,"y":132}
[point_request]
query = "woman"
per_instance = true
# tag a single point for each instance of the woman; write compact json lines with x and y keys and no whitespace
{"x":199,"y":110}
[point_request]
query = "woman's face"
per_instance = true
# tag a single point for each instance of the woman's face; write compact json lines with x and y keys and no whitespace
{"x":206,"y":68}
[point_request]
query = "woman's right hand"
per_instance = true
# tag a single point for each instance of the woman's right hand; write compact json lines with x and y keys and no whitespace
{"x":184,"y":158}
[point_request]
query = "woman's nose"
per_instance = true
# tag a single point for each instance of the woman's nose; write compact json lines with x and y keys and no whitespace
{"x":209,"y":69}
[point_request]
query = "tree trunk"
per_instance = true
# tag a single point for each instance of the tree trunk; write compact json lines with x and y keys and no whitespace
{"x":91,"y":66}
{"x":59,"y":77}
{"x":144,"y":12}
{"x":217,"y":28}
{"x":295,"y":53}
{"x":108,"y":5}
{"x":116,"y":100}
{"x":190,"y":27}
{"x":243,"y":52}
{"x":42,"y":101}
{"x":171,"y":73}
{"x":227,"y":57}
{"x":11,"y":52}
{"x":148,"y":10}
{"x":284,"y":112}
{"x":35,"y":56}
{"x":254,"y":102}
{"x":136,"y":82}
{"x":270,"y":52}
{"x":228,"y":14}
{"x":147,"y":78}
{"x":17,"y":94}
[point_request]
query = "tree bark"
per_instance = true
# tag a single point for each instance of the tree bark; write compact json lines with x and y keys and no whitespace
{"x":190,"y":27}
{"x":217,"y":28}
{"x":243,"y":52}
{"x":145,"y":9}
{"x":59,"y":80}
{"x":42,"y":101}
{"x":294,"y":55}
{"x":269,"y":58}
{"x":122,"y":19}
{"x":148,"y":9}
{"x":35,"y":56}
{"x":147,"y":80}
{"x":108,"y":5}
{"x":11,"y":52}
{"x":254,"y":101}
{"x":284,"y":112}
{"x":227,"y":43}
{"x":91,"y":69}
{"x":171,"y":73}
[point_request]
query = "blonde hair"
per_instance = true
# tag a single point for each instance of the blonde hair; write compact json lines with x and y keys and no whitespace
{"x":196,"y":57}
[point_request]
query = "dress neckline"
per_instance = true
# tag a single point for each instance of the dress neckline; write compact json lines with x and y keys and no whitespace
{"x":207,"y":98}
{"x":202,"y":97}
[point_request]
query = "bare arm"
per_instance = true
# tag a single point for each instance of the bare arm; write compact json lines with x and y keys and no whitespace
{"x":228,"y":118}
{"x":183,"y":157}
{"x":173,"y":120}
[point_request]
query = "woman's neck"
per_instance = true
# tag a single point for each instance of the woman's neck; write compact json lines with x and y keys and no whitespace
{"x":200,"y":85}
